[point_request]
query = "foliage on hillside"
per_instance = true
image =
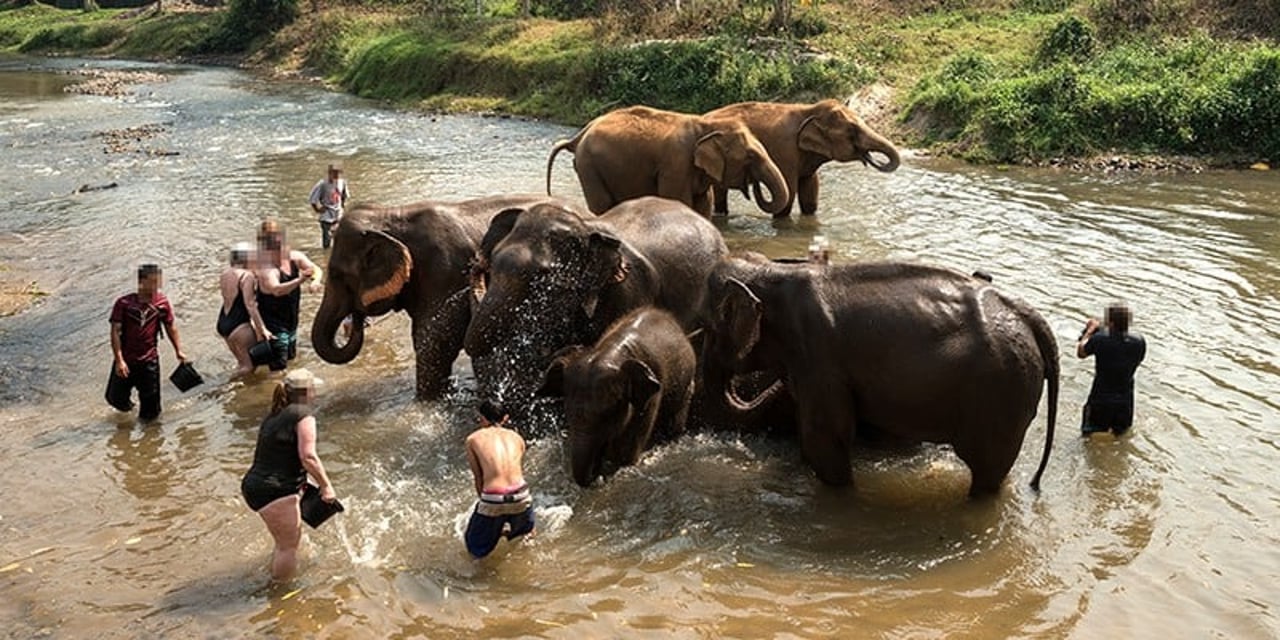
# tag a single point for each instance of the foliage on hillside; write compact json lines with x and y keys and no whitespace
{"x":991,"y":80}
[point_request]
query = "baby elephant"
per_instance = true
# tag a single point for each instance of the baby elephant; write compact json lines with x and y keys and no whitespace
{"x":629,"y":390}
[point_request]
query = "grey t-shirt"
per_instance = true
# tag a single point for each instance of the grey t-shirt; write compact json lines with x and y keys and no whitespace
{"x":331,"y":196}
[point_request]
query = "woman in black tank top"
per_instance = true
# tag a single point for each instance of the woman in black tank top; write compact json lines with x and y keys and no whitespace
{"x":279,"y":298}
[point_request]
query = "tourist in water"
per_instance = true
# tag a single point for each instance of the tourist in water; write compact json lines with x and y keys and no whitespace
{"x":136,"y":321}
{"x":239,"y":322}
{"x":281,"y":272}
{"x":284,"y":456}
{"x":1117,"y":352}
{"x":504,"y":507}
{"x":328,"y":198}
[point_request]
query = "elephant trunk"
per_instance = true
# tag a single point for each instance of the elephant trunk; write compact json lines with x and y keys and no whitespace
{"x":878,"y":143}
{"x":583,"y":457}
{"x":749,"y":409}
{"x":768,"y":173}
{"x":324,"y":331}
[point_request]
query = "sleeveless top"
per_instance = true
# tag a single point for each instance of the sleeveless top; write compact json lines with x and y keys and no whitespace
{"x":238,"y":315}
{"x":275,"y":459}
{"x":280,"y":313}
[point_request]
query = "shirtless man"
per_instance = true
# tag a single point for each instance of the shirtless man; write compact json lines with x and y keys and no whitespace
{"x":505,"y":507}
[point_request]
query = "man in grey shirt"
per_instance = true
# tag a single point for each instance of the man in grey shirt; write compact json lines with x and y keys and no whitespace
{"x":328,"y":198}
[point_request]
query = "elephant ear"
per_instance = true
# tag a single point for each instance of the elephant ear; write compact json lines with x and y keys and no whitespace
{"x":642,"y":384}
{"x":385,"y":267}
{"x":739,"y":313}
{"x":709,"y":157}
{"x":553,"y":378}
{"x":499,"y":227}
{"x":814,"y":136}
{"x":607,"y":266}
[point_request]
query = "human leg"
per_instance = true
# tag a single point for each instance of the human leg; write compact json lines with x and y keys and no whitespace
{"x":521,"y":524}
{"x":119,"y":391}
{"x":284,"y":521}
{"x":482,"y":534}
{"x":146,"y":377}
{"x":239,"y":342}
{"x":326,"y":233}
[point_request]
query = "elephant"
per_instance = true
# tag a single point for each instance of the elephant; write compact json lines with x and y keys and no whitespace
{"x":915,"y":352}
{"x":414,"y":258}
{"x":549,"y":277}
{"x":629,"y":390}
{"x":801,"y":138}
{"x":640,"y":151}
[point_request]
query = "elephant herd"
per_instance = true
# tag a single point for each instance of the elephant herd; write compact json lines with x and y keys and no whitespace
{"x":630,"y":318}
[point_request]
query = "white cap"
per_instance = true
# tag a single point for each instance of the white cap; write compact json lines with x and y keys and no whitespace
{"x":301,"y":379}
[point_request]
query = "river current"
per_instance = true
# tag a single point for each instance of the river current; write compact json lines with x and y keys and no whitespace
{"x":111,"y":529}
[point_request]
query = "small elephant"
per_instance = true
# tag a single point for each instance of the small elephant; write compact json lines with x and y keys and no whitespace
{"x":413,"y":258}
{"x":922,"y":354}
{"x":639,"y":151}
{"x":620,"y":396}
{"x":549,"y":277}
{"x":801,"y":138}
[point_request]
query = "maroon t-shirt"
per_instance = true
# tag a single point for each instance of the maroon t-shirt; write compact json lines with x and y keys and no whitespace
{"x":140,"y":324}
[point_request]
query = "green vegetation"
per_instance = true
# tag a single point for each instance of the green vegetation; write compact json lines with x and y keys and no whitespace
{"x":989,"y":80}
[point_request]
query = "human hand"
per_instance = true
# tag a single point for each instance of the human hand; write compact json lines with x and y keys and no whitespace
{"x":122,"y":369}
{"x":327,"y":494}
{"x":182,"y":357}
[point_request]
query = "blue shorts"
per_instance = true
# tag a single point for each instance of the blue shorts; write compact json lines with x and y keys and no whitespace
{"x":483,"y":532}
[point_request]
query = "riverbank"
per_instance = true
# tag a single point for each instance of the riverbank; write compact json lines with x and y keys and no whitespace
{"x":1075,"y":85}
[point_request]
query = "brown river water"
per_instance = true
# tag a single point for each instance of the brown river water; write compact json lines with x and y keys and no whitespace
{"x":109,"y":529}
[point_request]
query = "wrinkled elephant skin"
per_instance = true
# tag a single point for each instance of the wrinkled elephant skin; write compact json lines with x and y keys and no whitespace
{"x":413,"y":258}
{"x":923,"y":354}
{"x":801,"y":138}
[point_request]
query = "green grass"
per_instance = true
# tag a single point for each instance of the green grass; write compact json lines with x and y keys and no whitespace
{"x":989,"y":80}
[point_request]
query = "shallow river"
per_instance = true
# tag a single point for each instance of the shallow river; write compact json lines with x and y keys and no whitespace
{"x":114,"y":530}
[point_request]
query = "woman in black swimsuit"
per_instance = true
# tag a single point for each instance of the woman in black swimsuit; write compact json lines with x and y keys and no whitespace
{"x":239,"y":322}
{"x":285,"y":454}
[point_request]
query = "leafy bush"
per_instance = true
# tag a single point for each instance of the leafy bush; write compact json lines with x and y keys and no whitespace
{"x":1071,"y":39}
{"x":248,"y":20}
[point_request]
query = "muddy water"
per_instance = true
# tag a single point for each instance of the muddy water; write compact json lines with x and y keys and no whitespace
{"x":111,"y":529}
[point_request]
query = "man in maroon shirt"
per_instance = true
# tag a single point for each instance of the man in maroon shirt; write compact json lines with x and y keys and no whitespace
{"x":136,"y":319}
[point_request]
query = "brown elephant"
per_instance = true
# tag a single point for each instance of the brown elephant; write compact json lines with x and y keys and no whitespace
{"x":414,"y":258}
{"x":801,"y":138}
{"x":916,"y":353}
{"x":640,"y":151}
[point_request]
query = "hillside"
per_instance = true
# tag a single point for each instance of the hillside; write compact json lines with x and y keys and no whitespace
{"x":1027,"y":81}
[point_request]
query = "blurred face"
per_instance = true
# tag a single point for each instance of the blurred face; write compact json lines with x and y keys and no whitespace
{"x":334,"y":174}
{"x":149,"y":284}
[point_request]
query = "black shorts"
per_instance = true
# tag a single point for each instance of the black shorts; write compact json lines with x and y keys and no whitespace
{"x":260,"y":494}
{"x":1104,"y":416}
{"x":483,"y":532}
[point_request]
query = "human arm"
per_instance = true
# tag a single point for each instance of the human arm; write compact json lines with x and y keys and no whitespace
{"x":249,"y":293}
{"x":314,"y":198}
{"x":171,"y":330}
{"x":308,"y":269}
{"x":1090,"y":328}
{"x":269,"y":282}
{"x":117,"y":351}
{"x":310,"y":460}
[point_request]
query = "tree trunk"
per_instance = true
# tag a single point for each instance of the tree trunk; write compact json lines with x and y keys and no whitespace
{"x":781,"y":14}
{"x":525,"y":8}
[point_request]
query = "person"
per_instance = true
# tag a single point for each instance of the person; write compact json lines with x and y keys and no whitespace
{"x":504,"y":507}
{"x":285,"y":454}
{"x":1117,"y":352}
{"x":328,"y":198}
{"x":281,"y":272}
{"x":136,"y":321}
{"x":239,"y":322}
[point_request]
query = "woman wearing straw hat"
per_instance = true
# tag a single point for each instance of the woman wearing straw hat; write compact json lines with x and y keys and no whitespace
{"x":284,"y":456}
{"x":239,"y":322}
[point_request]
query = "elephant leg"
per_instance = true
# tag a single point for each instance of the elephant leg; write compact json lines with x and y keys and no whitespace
{"x":721,"y":200}
{"x":989,"y":459}
{"x":599,"y":198}
{"x":807,"y":192}
{"x":826,"y":435}
{"x":437,"y":341}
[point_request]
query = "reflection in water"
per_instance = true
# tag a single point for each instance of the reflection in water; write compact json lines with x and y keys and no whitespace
{"x":719,"y":535}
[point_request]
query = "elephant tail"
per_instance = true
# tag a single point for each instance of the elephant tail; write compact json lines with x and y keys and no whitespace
{"x":1049,"y":353}
{"x":571,"y":144}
